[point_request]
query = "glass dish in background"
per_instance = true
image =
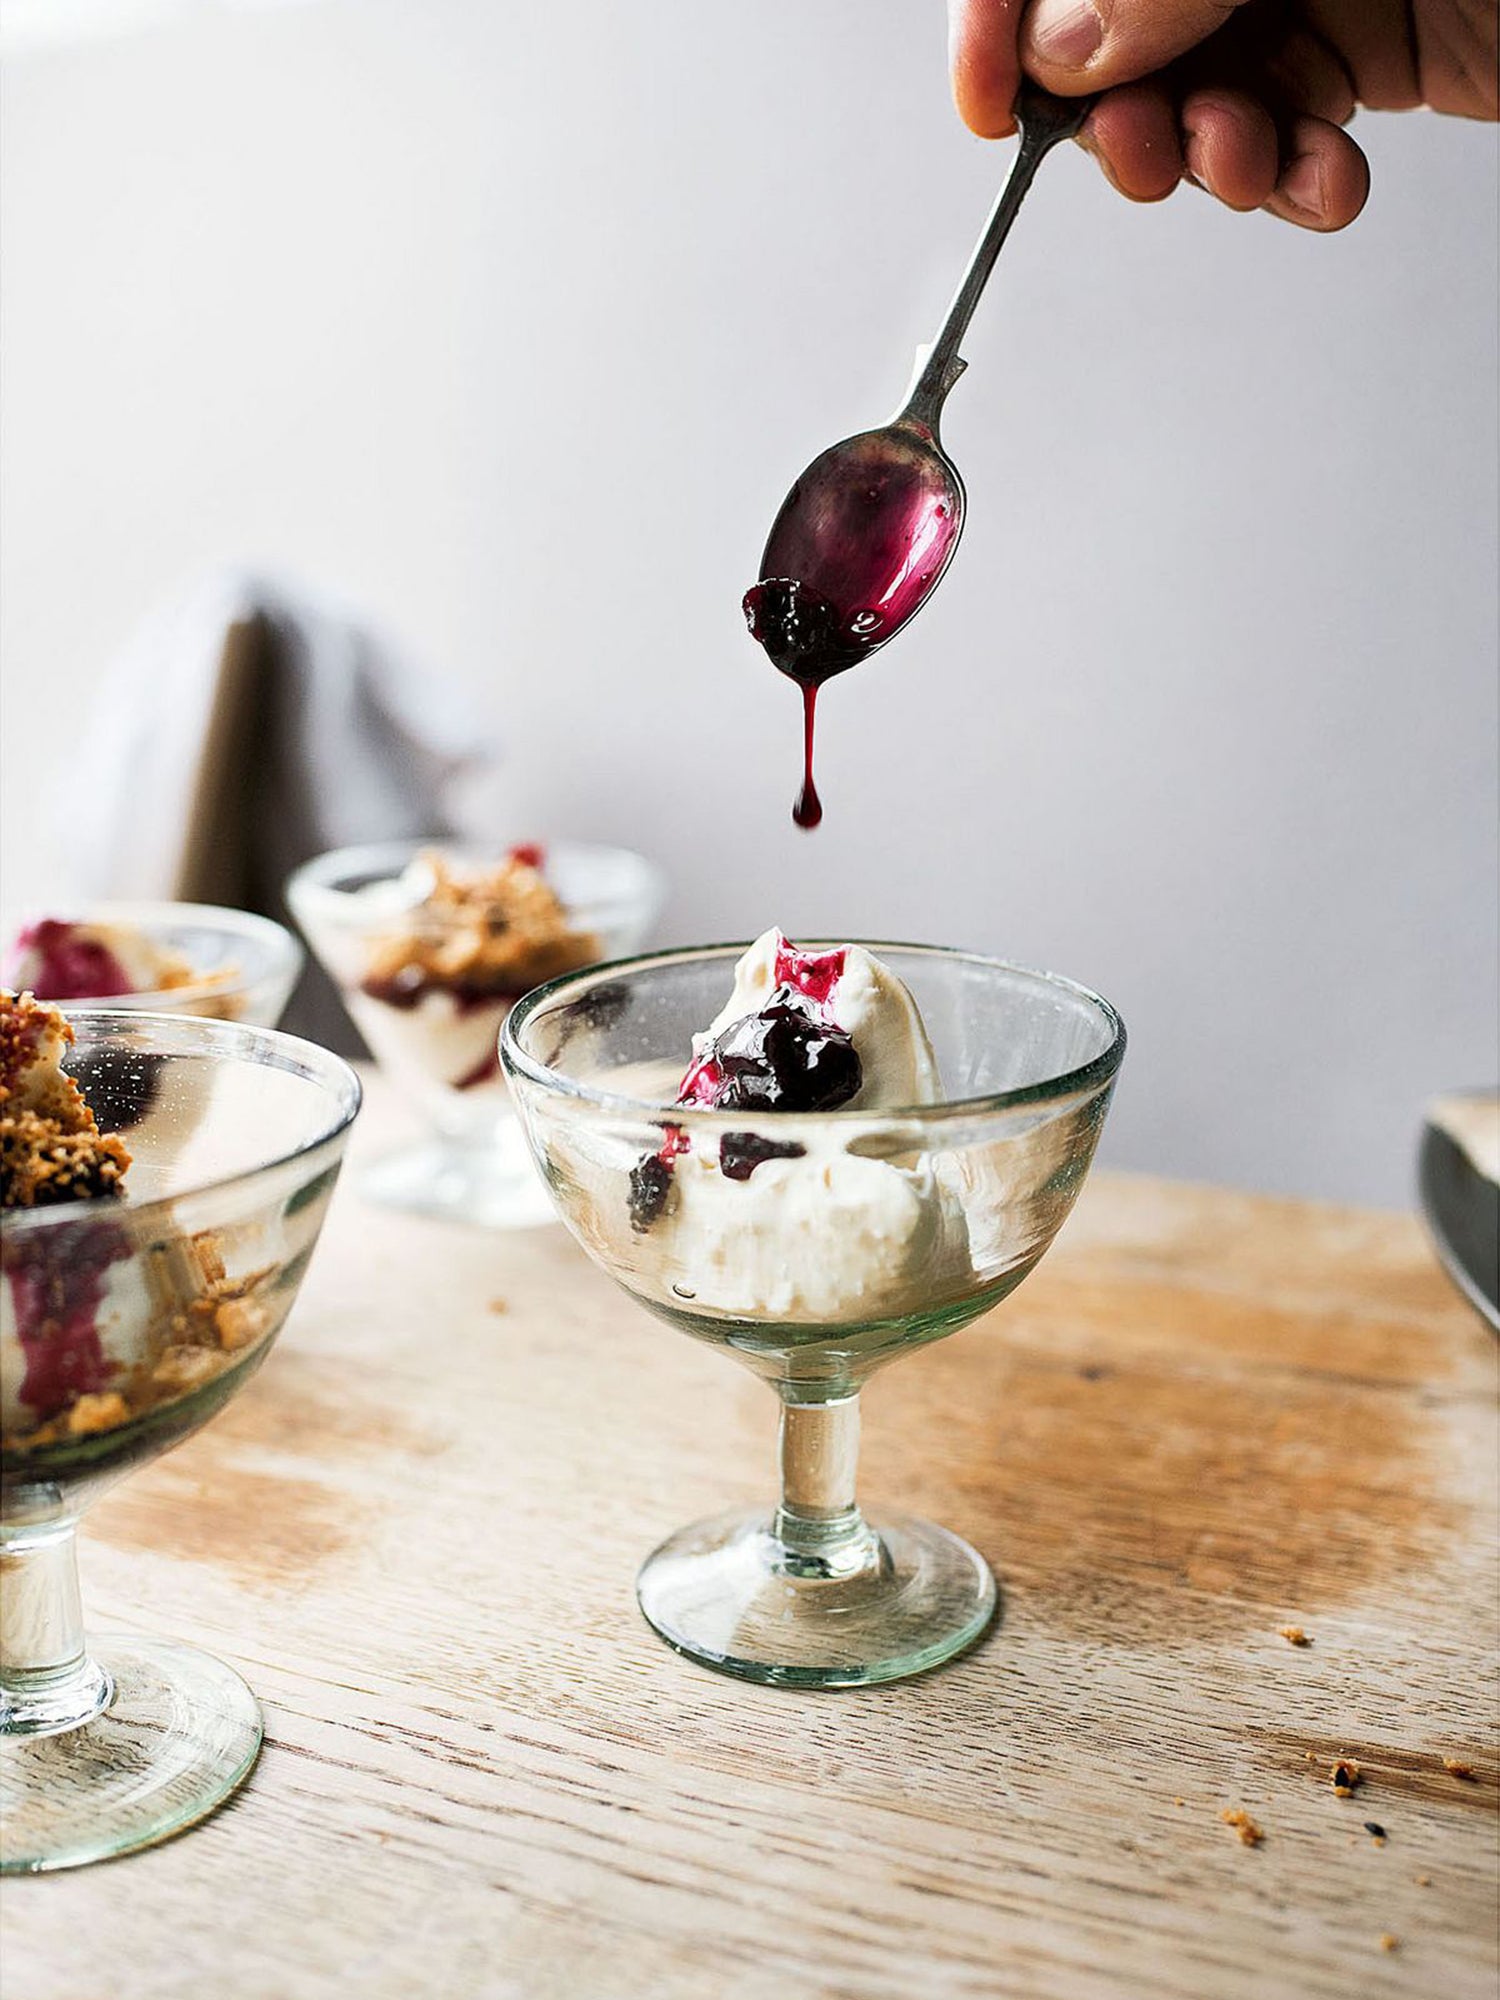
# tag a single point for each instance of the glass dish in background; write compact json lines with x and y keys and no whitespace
{"x":126,"y":1325}
{"x":248,"y":965}
{"x":440,"y":1047}
{"x":888,"y":1230}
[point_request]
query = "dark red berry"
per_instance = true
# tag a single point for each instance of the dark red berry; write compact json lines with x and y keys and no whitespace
{"x":740,"y":1153}
{"x":781,"y":1059}
{"x":650,"y":1184}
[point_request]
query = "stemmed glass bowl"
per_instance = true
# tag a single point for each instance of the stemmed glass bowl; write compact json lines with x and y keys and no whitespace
{"x":124,"y":1325}
{"x":857,"y":1237}
{"x":440,"y":1047}
{"x":247,"y":965}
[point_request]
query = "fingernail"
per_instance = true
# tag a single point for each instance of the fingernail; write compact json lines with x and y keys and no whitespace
{"x":1065,"y":32}
{"x":1302,"y":185}
{"x":1193,"y":158}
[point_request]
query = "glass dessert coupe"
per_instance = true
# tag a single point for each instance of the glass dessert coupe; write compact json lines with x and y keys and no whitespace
{"x":430,"y":944}
{"x":156,"y":958}
{"x":125,"y":1324}
{"x":870,"y":1232}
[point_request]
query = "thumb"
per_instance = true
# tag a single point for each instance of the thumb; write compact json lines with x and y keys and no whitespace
{"x":1077,"y":45}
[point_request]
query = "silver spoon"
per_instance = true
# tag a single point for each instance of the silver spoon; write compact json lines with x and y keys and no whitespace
{"x":866,"y":534}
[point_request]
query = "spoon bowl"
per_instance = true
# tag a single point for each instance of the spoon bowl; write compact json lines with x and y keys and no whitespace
{"x":865,"y":535}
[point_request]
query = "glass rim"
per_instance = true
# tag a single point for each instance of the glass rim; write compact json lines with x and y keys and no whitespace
{"x":284,"y":952}
{"x":312,"y":881}
{"x":1094,"y":1074}
{"x":268,"y":1048}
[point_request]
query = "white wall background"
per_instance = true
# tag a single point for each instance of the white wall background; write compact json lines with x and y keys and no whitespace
{"x":515,"y":322}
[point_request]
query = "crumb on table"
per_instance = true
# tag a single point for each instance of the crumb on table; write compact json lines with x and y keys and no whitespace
{"x":1251,"y":1834}
{"x":1376,"y":1831}
{"x":1457,"y":1768}
{"x":1345,"y":1777}
{"x":1389,"y":1941}
{"x":1294,"y":1635}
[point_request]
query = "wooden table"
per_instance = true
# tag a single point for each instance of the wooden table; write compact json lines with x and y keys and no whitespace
{"x":1207,"y":1416}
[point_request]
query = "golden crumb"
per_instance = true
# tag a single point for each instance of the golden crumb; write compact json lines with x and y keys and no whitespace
{"x":97,"y":1412}
{"x":1457,"y":1768}
{"x":183,"y":1368}
{"x":1345,"y":1777}
{"x":1294,"y":1635}
{"x":1250,"y":1832}
{"x":1422,"y":1881}
{"x":237,"y":1322}
{"x":1179,"y":1802}
{"x":498,"y":1306}
{"x":1389,"y":1941}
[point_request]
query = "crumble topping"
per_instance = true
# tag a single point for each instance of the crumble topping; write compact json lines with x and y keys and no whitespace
{"x":489,"y":935}
{"x":51,"y":1148}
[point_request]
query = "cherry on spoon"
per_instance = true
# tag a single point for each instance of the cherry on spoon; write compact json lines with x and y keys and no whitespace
{"x":865,"y":535}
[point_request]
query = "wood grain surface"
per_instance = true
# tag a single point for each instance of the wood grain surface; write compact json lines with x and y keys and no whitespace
{"x":1206,"y":1417}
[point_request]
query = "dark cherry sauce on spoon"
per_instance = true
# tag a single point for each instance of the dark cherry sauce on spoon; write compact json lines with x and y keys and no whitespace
{"x":860,"y":541}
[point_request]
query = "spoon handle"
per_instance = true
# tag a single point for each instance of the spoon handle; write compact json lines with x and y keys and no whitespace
{"x":1043,"y":120}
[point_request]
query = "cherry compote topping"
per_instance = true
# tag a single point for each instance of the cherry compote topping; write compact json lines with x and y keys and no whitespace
{"x":740,"y":1153}
{"x":650,"y":1184}
{"x":72,"y":965}
{"x":409,"y":987}
{"x":784,"y":1057}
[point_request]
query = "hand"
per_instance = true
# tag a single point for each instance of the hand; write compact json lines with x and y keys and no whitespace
{"x":1246,"y":98}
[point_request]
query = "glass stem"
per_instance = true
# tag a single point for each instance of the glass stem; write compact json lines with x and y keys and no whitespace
{"x":818,"y":1522}
{"x":48,"y":1682}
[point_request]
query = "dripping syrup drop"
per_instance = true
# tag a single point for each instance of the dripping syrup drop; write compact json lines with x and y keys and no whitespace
{"x":808,"y":811}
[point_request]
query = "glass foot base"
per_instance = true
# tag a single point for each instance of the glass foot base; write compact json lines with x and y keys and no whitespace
{"x":723,"y":1593}
{"x":179,"y":1734}
{"x":497,"y":1187}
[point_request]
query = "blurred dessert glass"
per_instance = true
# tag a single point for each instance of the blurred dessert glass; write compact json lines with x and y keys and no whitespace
{"x":430,"y":945}
{"x":155,"y":958}
{"x":146,"y":1266}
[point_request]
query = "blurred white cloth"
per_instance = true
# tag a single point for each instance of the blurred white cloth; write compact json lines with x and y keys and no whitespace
{"x":249,"y":726}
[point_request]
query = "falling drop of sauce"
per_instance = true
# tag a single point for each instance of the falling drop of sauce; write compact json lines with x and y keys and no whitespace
{"x":808,"y":811}
{"x":809,"y":640}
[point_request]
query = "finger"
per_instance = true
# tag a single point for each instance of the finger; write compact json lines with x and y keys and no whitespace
{"x":984,"y":64}
{"x":1307,"y":76}
{"x":1076,"y":45}
{"x":1325,"y":181}
{"x":1132,"y":132}
{"x":1230,"y":147}
{"x":1376,"y":41}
